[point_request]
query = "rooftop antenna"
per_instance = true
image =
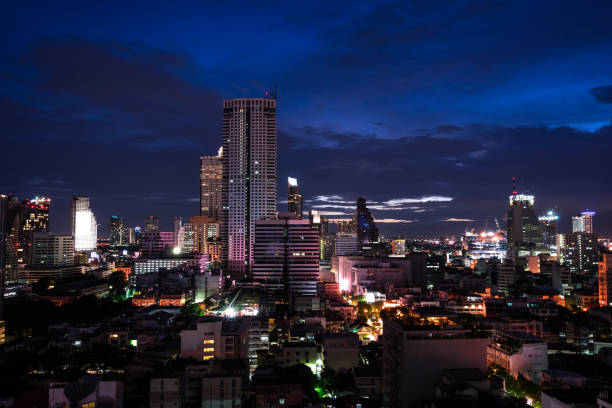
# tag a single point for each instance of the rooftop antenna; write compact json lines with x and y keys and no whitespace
{"x":514,"y":192}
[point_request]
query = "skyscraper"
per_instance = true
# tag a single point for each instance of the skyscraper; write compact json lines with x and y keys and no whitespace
{"x":583,"y":222}
{"x":3,"y":246}
{"x":294,"y":203}
{"x":548,"y":225}
{"x":578,"y":251}
{"x":83,"y":225}
{"x":249,"y":177}
{"x":211,"y":173}
{"x":286,"y":254}
{"x":151,"y":224}
{"x":118,"y":231}
{"x":364,"y":221}
{"x":523,"y":228}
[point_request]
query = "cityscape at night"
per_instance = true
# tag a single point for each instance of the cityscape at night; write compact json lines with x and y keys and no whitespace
{"x":280,"y":205}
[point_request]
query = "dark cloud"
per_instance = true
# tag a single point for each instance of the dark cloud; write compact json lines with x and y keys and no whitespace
{"x":602,"y":93}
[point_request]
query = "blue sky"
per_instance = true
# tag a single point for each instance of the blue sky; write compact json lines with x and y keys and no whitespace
{"x":384,"y":100}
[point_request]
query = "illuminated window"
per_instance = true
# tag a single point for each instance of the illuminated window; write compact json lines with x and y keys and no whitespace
{"x":209,"y":350}
{"x":208,"y":357}
{"x":209,"y":342}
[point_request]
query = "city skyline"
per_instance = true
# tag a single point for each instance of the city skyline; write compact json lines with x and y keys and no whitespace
{"x":464,"y":118}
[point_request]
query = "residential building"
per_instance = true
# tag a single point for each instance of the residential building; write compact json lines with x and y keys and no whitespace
{"x":165,"y":392}
{"x":51,"y":250}
{"x":518,"y":353}
{"x":214,"y":337}
{"x":201,"y":236}
{"x":249,"y":177}
{"x":578,"y":251}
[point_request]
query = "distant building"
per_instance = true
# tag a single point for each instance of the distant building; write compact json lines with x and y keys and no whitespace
{"x":157,"y":243}
{"x":86,"y":394}
{"x":347,"y":244}
{"x":142,"y":265}
{"x":249,"y":177}
{"x":548,"y":224}
{"x":518,"y":353}
{"x":286,"y":254}
{"x":578,"y":251}
{"x":524,"y":235}
{"x":583,"y":222}
{"x":201,"y":235}
{"x":119,"y":232}
{"x":211,"y":175}
{"x":151,"y":224}
{"x":49,"y":250}
{"x":294,"y":202}
{"x":84,"y":226}
{"x":605,"y":280}
{"x":506,"y":276}
{"x":398,"y":247}
{"x":364,"y":221}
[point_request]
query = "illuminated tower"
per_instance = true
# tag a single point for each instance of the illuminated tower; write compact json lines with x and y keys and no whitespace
{"x":583,"y":222}
{"x":524,"y":233}
{"x":83,"y":225}
{"x":117,"y":231}
{"x":548,"y":224}
{"x":295,"y":198}
{"x":249,"y":177}
{"x":210,"y":185}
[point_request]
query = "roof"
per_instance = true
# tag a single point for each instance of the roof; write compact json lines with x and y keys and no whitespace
{"x":522,"y":335}
{"x":465,"y":374}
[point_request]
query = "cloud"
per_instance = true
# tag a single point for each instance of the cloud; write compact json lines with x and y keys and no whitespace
{"x":457,"y":220}
{"x":602,"y":93}
{"x":393,"y":221}
{"x":424,"y":199}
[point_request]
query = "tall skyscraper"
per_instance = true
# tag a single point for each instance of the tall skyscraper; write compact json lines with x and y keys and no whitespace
{"x":83,"y":225}
{"x":548,"y":225}
{"x":583,"y":222}
{"x":578,"y":251}
{"x":286,"y":254}
{"x":211,"y":173}
{"x":179,"y":233}
{"x":364,"y":221}
{"x":294,"y":203}
{"x":249,"y":177}
{"x":151,"y":224}
{"x":523,"y":228}
{"x":119,"y":233}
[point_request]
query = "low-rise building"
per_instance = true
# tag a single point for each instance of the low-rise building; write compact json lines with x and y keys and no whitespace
{"x":518,"y":353}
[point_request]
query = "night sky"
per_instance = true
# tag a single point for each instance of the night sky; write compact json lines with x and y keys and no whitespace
{"x":425,"y":108}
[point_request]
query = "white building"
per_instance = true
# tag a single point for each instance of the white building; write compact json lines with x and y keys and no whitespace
{"x":518,"y":353}
{"x":249,"y":177}
{"x":83,"y":225}
{"x":347,"y":244}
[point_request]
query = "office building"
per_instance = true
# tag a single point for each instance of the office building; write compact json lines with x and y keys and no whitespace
{"x":347,"y":244}
{"x":51,"y":250}
{"x":578,"y":251}
{"x":548,"y":225}
{"x":294,"y":202}
{"x":583,"y":222}
{"x":157,"y":243}
{"x":197,"y":262}
{"x":414,"y":359}
{"x":3,"y":260}
{"x":179,"y":234}
{"x":151,"y":224}
{"x":605,"y":280}
{"x":524,"y":236}
{"x":286,"y":254}
{"x":211,"y":174}
{"x":83,"y":225}
{"x":364,"y":222}
{"x":249,"y":177}
{"x":506,"y":276}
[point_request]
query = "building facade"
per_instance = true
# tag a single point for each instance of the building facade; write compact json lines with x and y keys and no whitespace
{"x":294,"y":203}
{"x":605,"y":280}
{"x":286,"y":254}
{"x":52,"y":250}
{"x":578,"y":251}
{"x":211,"y":175}
{"x":524,"y":236}
{"x":249,"y":177}
{"x":83,"y":225}
{"x":364,"y":222}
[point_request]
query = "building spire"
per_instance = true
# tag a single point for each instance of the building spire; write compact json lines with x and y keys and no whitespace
{"x":514,"y":192}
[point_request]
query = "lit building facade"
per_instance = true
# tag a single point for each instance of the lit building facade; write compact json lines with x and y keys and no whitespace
{"x":346,"y":244}
{"x":83,"y":225}
{"x":151,"y":224}
{"x":578,"y":251}
{"x":201,"y":236}
{"x":249,"y":177}
{"x":286,"y":254}
{"x":583,"y":222}
{"x":484,"y":245}
{"x":294,"y":202}
{"x":119,"y":232}
{"x":548,"y":225}
{"x":524,"y":235}
{"x":605,"y":280}
{"x":211,"y":175}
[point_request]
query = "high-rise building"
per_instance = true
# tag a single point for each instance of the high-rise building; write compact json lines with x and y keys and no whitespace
{"x":52,"y":250}
{"x":294,"y":203}
{"x":364,"y":221}
{"x":211,"y":173}
{"x":83,"y":225}
{"x":201,"y":235}
{"x":347,"y":244}
{"x":3,"y":259}
{"x":605,"y":280}
{"x":179,"y":234}
{"x":548,"y":225}
{"x":524,"y":236}
{"x":249,"y":177}
{"x":583,"y":222}
{"x":578,"y":251}
{"x":119,"y":232}
{"x":286,"y":254}
{"x":151,"y":224}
